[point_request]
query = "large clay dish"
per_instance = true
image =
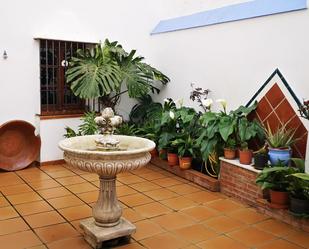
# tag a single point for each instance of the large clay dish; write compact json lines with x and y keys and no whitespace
{"x":19,"y":146}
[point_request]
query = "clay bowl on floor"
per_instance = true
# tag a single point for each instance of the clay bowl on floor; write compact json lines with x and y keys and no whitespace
{"x":19,"y":146}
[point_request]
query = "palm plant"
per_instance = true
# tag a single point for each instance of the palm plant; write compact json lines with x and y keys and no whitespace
{"x":100,"y":72}
{"x":282,"y":138}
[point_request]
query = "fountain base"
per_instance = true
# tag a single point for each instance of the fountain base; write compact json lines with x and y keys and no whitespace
{"x":96,"y":235}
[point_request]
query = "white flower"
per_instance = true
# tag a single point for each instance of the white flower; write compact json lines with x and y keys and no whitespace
{"x":179,"y":103}
{"x":222,"y":102}
{"x":166,"y":100}
{"x":172,"y":115}
{"x":207,"y":102}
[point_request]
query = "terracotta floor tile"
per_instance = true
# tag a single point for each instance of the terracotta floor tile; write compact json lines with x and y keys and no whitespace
{"x":222,"y":242}
{"x":248,"y":215}
{"x":9,"y":179}
{"x":300,"y":238}
{"x":54,"y":192}
{"x":7,"y":213}
{"x":279,"y":244}
{"x":135,"y":200}
{"x":81,"y":188}
{"x":201,"y":213}
{"x":179,"y":203}
{"x":44,"y":184}
{"x":56,"y":232}
{"x":184,"y":189}
{"x":130,"y":179}
{"x":24,"y":198}
{"x":142,"y":171}
{"x":152,"y":209}
{"x":125,"y":190}
{"x":71,"y":243}
{"x":44,"y":219}
{"x":145,"y":186}
{"x":275,"y":227}
{"x":29,"y":169}
{"x":164,"y":241}
{"x":33,"y":207}
{"x":13,"y":226}
{"x":202,"y":197}
{"x":37,"y":247}
{"x":90,"y":177}
{"x":161,"y":194}
{"x":4,"y":202}
{"x":16,"y":189}
{"x":225,"y":205}
{"x":131,"y":246}
{"x":52,"y":168}
{"x":70,"y":180}
{"x":76,"y":213}
{"x":65,"y":201}
{"x":150,"y":176}
{"x":223,"y":224}
{"x":35,"y":177}
{"x":131,"y":215}
{"x":173,"y":221}
{"x":167,"y":182}
{"x":21,"y":240}
{"x":146,"y":229}
{"x":195,"y":233}
{"x":61,"y":173}
{"x":251,"y":236}
{"x":75,"y":224}
{"x":89,"y":197}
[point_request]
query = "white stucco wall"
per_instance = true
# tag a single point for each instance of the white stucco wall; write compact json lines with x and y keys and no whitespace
{"x":231,"y":59}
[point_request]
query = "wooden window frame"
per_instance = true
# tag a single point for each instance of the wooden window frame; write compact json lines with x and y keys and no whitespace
{"x":63,"y":101}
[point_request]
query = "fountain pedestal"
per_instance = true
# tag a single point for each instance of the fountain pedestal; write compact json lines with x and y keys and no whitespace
{"x":81,"y":153}
{"x":107,"y":223}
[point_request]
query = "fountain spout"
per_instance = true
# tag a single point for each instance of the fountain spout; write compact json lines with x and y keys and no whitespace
{"x":108,"y":122}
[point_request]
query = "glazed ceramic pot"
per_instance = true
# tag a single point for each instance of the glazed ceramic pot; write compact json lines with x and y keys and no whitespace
{"x":260,"y":161}
{"x":299,"y":206}
{"x":279,"y":155}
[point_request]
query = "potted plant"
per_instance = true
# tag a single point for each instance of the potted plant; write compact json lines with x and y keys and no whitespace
{"x":186,"y":150}
{"x":279,"y":144}
{"x":299,"y":189}
{"x":260,"y":158}
{"x":247,"y":130}
{"x":275,"y":179}
{"x":230,"y":149}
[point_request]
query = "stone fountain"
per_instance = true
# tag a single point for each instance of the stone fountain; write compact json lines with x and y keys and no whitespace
{"x":106,"y":155}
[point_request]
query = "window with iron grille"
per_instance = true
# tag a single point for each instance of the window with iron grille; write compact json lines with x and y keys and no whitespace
{"x":56,"y":95}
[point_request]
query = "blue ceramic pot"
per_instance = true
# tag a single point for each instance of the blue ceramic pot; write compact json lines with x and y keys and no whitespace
{"x":279,"y":155}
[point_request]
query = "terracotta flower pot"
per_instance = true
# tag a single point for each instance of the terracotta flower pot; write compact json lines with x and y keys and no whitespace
{"x":154,"y":153}
{"x":245,"y":156}
{"x":229,"y":153}
{"x":172,"y":159}
{"x":279,"y":199}
{"x":185,"y":162}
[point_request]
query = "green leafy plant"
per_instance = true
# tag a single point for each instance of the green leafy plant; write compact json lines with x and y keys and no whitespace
{"x":275,"y":178}
{"x":127,"y":129}
{"x":281,"y":138}
{"x":186,"y":146}
{"x":299,"y":186}
{"x":230,"y":143}
{"x":88,"y":126}
{"x":101,"y":72}
{"x":146,"y":111}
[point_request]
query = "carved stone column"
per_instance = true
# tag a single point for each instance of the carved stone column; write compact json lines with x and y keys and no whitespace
{"x":107,"y":211}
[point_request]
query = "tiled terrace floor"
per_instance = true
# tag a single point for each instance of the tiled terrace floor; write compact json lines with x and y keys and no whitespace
{"x":41,"y":208}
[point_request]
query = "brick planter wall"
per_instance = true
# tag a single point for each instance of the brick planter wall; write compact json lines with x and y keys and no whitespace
{"x":238,"y":181}
{"x":190,"y":174}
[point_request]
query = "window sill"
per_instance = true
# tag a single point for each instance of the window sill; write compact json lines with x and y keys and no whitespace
{"x":60,"y":116}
